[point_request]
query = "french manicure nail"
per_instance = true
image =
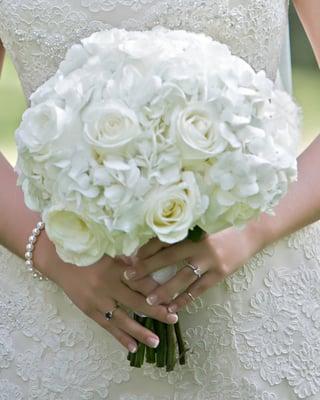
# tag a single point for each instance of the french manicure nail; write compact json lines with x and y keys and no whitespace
{"x":151,"y":300}
{"x":128,"y":274}
{"x":132,"y":348}
{"x":153,"y":342}
{"x":172,"y":318}
{"x":172,"y":308}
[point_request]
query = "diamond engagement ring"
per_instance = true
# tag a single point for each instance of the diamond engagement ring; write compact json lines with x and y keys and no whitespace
{"x":195,"y":268}
{"x":109,"y":314}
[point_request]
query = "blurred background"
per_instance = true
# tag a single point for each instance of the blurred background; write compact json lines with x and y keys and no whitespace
{"x":306,"y":90}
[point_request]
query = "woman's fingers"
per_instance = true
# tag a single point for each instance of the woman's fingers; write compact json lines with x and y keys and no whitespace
{"x":197,"y":288}
{"x":122,"y":337}
{"x":152,"y":247}
{"x":129,"y":329}
{"x":136,"y":301}
{"x":143,"y":286}
{"x":165,"y":293}
{"x":171,"y":255}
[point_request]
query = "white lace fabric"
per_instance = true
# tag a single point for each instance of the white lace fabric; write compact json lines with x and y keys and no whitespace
{"x":254,"y":336}
{"x":37,"y":33}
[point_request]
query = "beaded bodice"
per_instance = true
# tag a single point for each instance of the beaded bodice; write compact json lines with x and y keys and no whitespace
{"x":37,"y":33}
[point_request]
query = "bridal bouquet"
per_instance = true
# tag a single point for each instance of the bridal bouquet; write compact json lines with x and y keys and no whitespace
{"x":158,"y":133}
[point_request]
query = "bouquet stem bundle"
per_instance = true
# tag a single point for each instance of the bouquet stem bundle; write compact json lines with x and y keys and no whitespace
{"x":170,"y":335}
{"x":165,"y":354}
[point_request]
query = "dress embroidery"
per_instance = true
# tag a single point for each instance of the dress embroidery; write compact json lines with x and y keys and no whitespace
{"x":37,"y":33}
{"x":254,"y":336}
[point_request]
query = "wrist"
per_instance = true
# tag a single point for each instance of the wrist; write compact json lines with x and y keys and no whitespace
{"x":261,"y":231}
{"x":47,"y":261}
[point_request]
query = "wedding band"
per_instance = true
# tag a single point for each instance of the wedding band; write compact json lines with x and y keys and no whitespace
{"x":109,"y":314}
{"x":190,"y":295}
{"x":196,"y":269}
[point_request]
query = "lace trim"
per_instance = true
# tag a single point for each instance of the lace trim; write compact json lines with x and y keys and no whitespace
{"x":37,"y":33}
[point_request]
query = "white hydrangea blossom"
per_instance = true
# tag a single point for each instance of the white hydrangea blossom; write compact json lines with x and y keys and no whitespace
{"x":150,"y":133}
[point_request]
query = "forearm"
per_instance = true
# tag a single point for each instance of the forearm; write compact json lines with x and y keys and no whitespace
{"x":17,"y":222}
{"x":309,"y":14}
{"x":299,"y":207}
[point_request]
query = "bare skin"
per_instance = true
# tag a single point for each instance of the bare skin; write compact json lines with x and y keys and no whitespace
{"x":95,"y":289}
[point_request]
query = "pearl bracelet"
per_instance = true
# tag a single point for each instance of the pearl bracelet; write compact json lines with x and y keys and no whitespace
{"x":29,"y":249}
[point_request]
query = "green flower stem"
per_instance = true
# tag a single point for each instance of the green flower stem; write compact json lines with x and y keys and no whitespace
{"x":161,"y":350}
{"x":150,"y":352}
{"x":171,"y":348}
{"x":181,"y":347}
{"x":165,"y":354}
{"x":140,"y":355}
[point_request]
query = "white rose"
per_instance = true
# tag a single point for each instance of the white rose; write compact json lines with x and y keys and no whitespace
{"x":78,"y":240}
{"x":41,"y":126}
{"x":171,"y":211}
{"x":198,"y":134}
{"x":110,"y":125}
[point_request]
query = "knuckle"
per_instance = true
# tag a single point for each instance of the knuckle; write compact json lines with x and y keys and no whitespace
{"x":131,"y":284}
{"x":222,"y":269}
{"x":87,"y":303}
{"x":141,"y":266}
{"x":169,"y":257}
{"x":95,"y":281}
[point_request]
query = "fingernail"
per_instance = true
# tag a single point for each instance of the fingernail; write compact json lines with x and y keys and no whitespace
{"x":129,"y":273}
{"x":172,"y":318}
{"x":151,"y":300}
{"x":172,"y":308}
{"x":132,"y":348}
{"x":153,"y":342}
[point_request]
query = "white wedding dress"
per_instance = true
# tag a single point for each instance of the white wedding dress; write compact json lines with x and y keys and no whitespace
{"x":254,"y":336}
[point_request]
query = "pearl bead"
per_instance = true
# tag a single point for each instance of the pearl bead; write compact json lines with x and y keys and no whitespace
{"x":32,"y":239}
{"x":29,"y":246}
{"x":40,"y":225}
{"x":36,"y":231}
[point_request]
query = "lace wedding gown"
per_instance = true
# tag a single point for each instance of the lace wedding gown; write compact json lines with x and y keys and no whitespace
{"x":254,"y":336}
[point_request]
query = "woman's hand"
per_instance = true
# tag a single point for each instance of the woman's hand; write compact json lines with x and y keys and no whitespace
{"x":217,"y":255}
{"x":97,"y":288}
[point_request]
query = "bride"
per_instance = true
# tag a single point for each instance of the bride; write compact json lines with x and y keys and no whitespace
{"x":252,"y":322}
